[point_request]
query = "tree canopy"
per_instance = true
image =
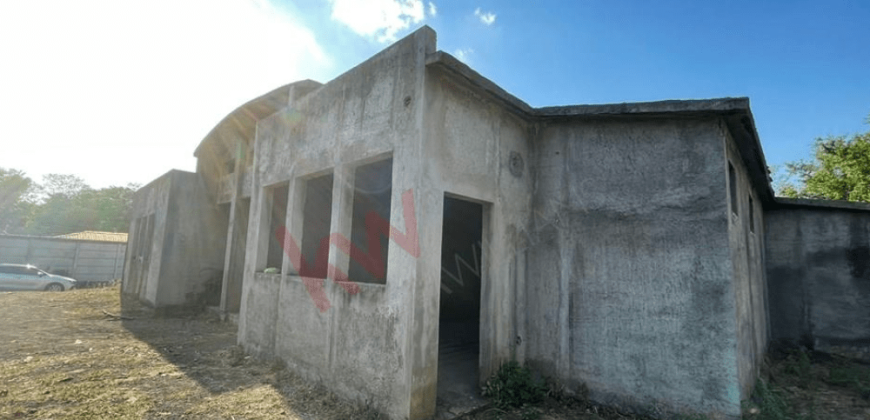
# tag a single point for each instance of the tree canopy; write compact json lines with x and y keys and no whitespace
{"x":840,"y":170}
{"x":61,"y":204}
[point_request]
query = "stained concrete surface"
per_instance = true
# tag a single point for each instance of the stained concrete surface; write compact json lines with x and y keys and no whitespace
{"x":458,"y":353}
{"x":817,"y":267}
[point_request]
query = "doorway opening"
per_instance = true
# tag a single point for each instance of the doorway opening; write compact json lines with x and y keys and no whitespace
{"x":459,"y":314}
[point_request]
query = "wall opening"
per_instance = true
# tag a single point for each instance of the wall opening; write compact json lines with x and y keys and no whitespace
{"x":373,"y":187}
{"x":277,"y":221}
{"x":459,"y":312}
{"x":732,"y":187}
{"x":316,"y":218}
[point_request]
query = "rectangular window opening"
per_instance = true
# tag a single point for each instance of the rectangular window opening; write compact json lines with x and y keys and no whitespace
{"x":373,"y":189}
{"x":316,"y":218}
{"x":277,"y":223}
{"x":751,"y":215}
{"x":732,"y":188}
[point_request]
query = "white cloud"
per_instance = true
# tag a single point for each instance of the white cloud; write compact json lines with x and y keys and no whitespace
{"x":488,"y":18}
{"x":433,"y":11}
{"x":382,"y":19}
{"x":463,"y":54}
{"x":119,"y":92}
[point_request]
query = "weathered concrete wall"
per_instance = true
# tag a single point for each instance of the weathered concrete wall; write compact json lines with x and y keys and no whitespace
{"x":85,"y":261}
{"x":177,"y":242}
{"x":360,"y":346}
{"x":194,"y":245}
{"x":147,"y":231}
{"x":477,"y":150}
{"x":818,"y":268}
{"x":630,"y":285}
{"x":746,"y":241}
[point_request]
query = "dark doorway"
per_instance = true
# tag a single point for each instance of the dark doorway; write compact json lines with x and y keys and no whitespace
{"x":459,"y":316}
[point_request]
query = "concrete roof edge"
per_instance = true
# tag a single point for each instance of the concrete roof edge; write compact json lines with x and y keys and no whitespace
{"x":741,"y":125}
{"x":671,"y":106}
{"x":166,"y":174}
{"x":822,"y":204}
{"x":454,"y":65}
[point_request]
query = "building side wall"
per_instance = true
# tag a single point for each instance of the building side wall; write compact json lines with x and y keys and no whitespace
{"x":192,"y":253}
{"x":358,"y":345}
{"x":629,"y":286}
{"x":818,"y":268}
{"x":746,"y":241}
{"x":144,"y":255}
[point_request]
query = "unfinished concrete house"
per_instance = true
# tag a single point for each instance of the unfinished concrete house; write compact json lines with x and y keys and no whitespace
{"x":399,"y":232}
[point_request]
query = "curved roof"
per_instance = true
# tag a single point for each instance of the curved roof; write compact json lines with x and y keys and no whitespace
{"x":245,"y":117}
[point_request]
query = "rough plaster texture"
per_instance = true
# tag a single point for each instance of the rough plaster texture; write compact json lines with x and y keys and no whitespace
{"x":746,"y":241}
{"x":629,"y":267}
{"x":818,"y":268}
{"x":610,"y":254}
{"x":360,"y":346}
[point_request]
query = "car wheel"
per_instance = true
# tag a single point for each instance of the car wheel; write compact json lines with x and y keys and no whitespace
{"x":54,"y":287}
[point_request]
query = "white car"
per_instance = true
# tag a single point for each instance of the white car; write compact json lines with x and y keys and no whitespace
{"x":28,"y":277}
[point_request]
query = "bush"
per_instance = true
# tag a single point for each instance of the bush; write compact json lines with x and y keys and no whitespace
{"x":513,"y":386}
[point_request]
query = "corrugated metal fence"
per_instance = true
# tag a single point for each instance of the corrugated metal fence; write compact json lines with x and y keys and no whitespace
{"x":83,"y":260}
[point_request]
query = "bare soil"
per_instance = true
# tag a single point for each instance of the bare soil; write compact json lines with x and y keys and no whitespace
{"x":70,"y":355}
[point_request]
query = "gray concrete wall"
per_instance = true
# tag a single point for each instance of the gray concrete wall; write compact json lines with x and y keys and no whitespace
{"x":171,"y":262}
{"x":194,"y":245}
{"x":85,"y":261}
{"x":361,"y":345}
{"x":746,"y":241}
{"x":629,"y":276}
{"x":477,"y":150}
{"x":147,"y":231}
{"x":818,"y":268}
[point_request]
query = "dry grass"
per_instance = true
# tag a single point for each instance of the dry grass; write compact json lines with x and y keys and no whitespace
{"x":61,"y":356}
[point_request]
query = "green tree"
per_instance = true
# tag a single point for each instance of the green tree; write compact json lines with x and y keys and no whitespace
{"x":840,"y":170}
{"x":16,"y":191}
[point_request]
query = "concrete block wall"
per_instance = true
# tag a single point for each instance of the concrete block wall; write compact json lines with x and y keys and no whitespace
{"x":818,"y":269}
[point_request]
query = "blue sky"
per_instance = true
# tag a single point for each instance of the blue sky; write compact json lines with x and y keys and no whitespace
{"x":122,"y":91}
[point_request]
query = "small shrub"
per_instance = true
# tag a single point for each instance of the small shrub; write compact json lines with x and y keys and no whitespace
{"x":513,"y":386}
{"x":771,"y":404}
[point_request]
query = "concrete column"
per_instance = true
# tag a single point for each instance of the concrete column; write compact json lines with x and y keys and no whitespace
{"x":231,"y":227}
{"x":293,"y":222}
{"x":342,"y":217}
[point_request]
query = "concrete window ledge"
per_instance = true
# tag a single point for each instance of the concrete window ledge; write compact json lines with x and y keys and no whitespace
{"x":267,"y":276}
{"x":362,"y":286}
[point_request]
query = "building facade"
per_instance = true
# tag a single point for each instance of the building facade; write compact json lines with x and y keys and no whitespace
{"x":410,"y":225}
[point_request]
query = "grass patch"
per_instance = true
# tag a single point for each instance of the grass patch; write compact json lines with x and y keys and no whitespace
{"x":513,"y":386}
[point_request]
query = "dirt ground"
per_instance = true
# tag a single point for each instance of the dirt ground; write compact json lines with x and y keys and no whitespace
{"x":70,"y":356}
{"x":62,"y":356}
